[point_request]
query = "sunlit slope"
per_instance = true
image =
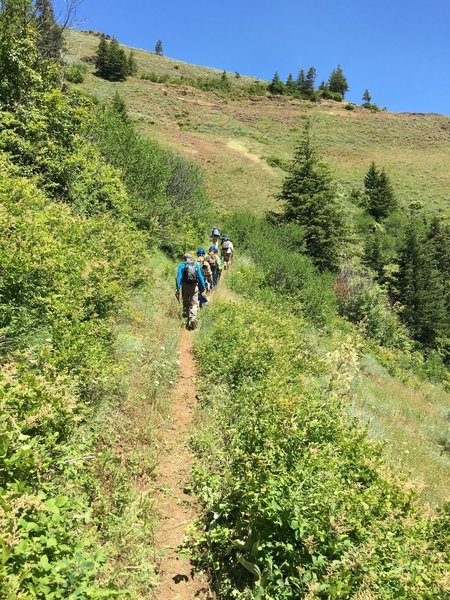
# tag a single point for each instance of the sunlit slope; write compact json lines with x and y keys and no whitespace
{"x":236,"y":137}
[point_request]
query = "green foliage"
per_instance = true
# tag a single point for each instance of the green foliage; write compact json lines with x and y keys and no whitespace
{"x":70,"y":255}
{"x":367,"y":98}
{"x":132,"y":64}
{"x":76,"y":73}
{"x":276,"y":86}
{"x":166,"y":192}
{"x":50,"y":34}
{"x":47,"y":140}
{"x":309,"y":194}
{"x":337,"y":82}
{"x":423,"y":285}
{"x":281,"y":268}
{"x":111,"y":61}
{"x":297,"y":502}
{"x":22,"y":70}
{"x":381,"y":198}
{"x":365,"y":302}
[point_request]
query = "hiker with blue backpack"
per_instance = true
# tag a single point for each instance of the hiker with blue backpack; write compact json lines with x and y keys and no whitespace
{"x":190,"y":282}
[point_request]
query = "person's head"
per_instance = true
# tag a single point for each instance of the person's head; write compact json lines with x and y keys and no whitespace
{"x":201,"y":252}
{"x":187,"y":256}
{"x":212,"y":249}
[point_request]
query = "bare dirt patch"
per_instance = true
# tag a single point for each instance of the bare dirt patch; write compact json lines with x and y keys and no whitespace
{"x":245,"y":153}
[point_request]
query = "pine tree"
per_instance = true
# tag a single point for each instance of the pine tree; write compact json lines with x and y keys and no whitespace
{"x":367,"y":98}
{"x":111,"y":61}
{"x":159,"y":48}
{"x":301,"y":83}
{"x":310,"y":81}
{"x":373,"y":254}
{"x":309,"y":194}
{"x":439,"y":238}
{"x":49,"y":40}
{"x":117,"y":62}
{"x":276,"y":86}
{"x":421,"y":287}
{"x":132,"y":67}
{"x":290,"y":84}
{"x":381,"y":198}
{"x":101,"y":58}
{"x":337,"y":83}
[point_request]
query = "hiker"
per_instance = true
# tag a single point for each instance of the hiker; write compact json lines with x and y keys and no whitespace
{"x":227,"y":251}
{"x":190,"y":281}
{"x":215,"y":236}
{"x":206,"y":269}
{"x":215,"y":263}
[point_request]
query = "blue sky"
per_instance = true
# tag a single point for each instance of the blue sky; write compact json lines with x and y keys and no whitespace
{"x":398,"y":49}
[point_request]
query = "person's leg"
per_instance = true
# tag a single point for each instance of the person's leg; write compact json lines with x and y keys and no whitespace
{"x":186,"y":300}
{"x":193,"y":307}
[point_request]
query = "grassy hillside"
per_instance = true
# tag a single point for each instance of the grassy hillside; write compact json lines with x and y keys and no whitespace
{"x":236,"y":137}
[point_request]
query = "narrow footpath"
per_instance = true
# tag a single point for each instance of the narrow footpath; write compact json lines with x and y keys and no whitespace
{"x":176,"y":508}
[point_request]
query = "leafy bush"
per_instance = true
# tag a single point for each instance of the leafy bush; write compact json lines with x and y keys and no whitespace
{"x":76,"y":73}
{"x":167,"y":195}
{"x":364,"y":302}
{"x":279,"y":255}
{"x":298,"y":504}
{"x":155,"y":77}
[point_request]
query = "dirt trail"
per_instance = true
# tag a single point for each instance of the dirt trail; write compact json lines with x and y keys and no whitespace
{"x":175,"y":507}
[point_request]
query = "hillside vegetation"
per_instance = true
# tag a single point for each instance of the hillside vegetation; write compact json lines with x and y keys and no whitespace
{"x":240,"y":138}
{"x":321,"y":316}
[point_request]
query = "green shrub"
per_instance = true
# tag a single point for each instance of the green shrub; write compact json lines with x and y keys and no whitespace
{"x":167,"y":196}
{"x":297,"y":502}
{"x":76,"y":73}
{"x":365,"y":303}
{"x":279,"y":255}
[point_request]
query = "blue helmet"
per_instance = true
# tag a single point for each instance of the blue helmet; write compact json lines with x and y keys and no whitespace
{"x":212,"y":248}
{"x":201,"y":252}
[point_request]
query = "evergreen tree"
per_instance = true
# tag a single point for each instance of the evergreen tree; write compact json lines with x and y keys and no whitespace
{"x":421,"y":287}
{"x":381,"y":198}
{"x":276,"y":86}
{"x":309,"y":194}
{"x":132,"y":64}
{"x":337,"y":83}
{"x":101,"y":58}
{"x":290,"y":84}
{"x":310,"y":81}
{"x":439,"y":238}
{"x":117,"y":62}
{"x":111,"y":61}
{"x":225,"y":83}
{"x":301,"y":83}
{"x":373,"y":254}
{"x":159,"y":48}
{"x":366,"y":97}
{"x":49,"y":39}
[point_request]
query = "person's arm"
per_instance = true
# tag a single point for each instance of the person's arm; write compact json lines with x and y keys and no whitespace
{"x":209,"y":274}
{"x":179,"y":276}
{"x":201,"y":279}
